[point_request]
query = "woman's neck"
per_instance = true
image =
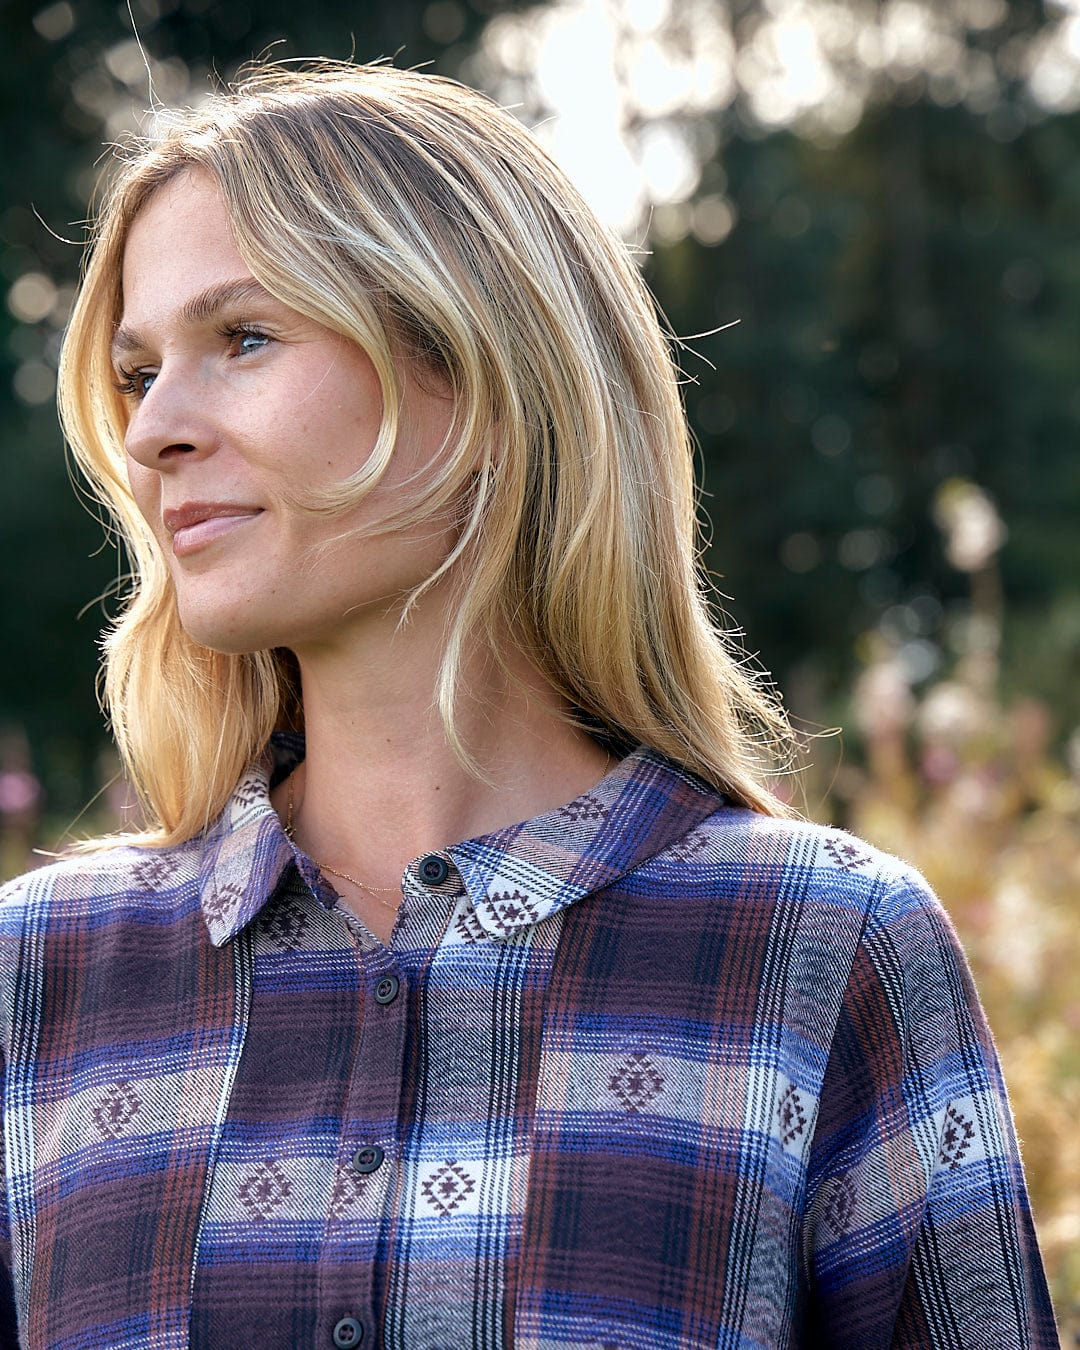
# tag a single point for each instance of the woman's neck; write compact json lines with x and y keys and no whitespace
{"x":381,"y":784}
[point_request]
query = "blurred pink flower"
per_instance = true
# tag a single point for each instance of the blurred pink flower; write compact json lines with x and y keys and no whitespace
{"x":19,"y":792}
{"x":939,"y":765}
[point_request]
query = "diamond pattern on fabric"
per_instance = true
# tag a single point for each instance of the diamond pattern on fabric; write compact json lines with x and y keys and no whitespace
{"x":656,"y":1052}
{"x":156,"y":872}
{"x":448,"y":1188}
{"x":117,"y":1110}
{"x":690,"y":848}
{"x":510,"y":908}
{"x":956,"y":1139}
{"x":841,"y":1206}
{"x":846,"y":853}
{"x":467,"y":928}
{"x":264,"y":1190}
{"x":635,"y":1083}
{"x":791,"y":1116}
{"x":250,"y":789}
{"x":222,"y":901}
{"x":586,"y":807}
{"x":346,"y":1192}
{"x":284,"y":925}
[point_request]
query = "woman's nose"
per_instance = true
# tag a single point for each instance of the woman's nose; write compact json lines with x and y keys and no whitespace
{"x":168,"y":424}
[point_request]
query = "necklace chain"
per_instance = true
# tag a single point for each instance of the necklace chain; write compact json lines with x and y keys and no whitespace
{"x":376,"y":891}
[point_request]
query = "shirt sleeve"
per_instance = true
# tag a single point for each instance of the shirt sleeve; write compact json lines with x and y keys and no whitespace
{"x":9,"y":1333}
{"x":918,"y":1230}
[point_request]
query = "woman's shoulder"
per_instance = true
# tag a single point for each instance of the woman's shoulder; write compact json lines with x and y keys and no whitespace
{"x":704,"y":840}
{"x":844,"y":915}
{"x":82,"y":885}
{"x":805,"y":860}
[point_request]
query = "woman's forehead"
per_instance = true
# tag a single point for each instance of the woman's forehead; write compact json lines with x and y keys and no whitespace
{"x":179,"y":244}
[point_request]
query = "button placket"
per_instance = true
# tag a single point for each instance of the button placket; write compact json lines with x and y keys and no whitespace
{"x":369,"y":1172}
{"x":445,"y":1186}
{"x":365,"y":1178}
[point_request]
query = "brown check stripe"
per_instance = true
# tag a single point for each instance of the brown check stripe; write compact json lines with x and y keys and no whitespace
{"x":645,"y":1072}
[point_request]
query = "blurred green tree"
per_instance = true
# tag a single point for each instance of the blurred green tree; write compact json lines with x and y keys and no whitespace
{"x":908,"y":303}
{"x":899,"y":254}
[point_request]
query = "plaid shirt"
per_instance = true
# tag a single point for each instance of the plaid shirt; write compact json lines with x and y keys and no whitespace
{"x":645,"y":1072}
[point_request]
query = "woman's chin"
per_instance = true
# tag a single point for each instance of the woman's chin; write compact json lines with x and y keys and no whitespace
{"x":230,"y":634}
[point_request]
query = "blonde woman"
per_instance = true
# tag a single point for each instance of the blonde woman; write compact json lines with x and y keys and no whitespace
{"x":467,"y":986}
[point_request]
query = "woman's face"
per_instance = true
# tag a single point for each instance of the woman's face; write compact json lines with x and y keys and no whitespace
{"x":239,"y":405}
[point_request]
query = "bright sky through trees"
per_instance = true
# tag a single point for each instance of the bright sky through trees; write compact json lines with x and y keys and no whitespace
{"x":618,"y":88}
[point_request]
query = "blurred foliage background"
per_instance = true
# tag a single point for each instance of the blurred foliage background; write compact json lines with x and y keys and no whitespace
{"x":883,"y":196}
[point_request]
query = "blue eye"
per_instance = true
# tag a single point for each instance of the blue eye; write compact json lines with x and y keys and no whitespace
{"x":243,"y":339}
{"x":135,"y":383}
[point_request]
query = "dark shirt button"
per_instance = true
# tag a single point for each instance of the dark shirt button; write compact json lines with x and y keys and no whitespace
{"x":368,"y":1159}
{"x":433,"y":870}
{"x":387,"y":989}
{"x":348,"y":1332}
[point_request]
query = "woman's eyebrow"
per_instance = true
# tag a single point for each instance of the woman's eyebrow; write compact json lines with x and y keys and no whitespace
{"x":199,"y":309}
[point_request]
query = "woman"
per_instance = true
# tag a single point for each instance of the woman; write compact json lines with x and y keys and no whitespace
{"x":338,"y":1052}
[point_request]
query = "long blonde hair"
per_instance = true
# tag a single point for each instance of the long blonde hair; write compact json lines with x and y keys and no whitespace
{"x":404,"y":210}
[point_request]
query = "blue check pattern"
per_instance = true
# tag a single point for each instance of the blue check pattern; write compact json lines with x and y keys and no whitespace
{"x":648,"y":1071}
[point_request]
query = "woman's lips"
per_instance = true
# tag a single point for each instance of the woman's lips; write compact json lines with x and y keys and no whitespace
{"x":191,"y":532}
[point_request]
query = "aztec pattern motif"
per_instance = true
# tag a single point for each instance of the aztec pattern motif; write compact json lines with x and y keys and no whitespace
{"x":645,"y":1073}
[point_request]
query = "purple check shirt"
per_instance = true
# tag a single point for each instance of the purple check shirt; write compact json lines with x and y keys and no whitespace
{"x":648,"y":1072}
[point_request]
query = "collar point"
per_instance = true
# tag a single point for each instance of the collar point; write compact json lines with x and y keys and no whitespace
{"x":502,"y":912}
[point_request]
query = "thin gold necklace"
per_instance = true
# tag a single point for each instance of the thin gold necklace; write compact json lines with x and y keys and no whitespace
{"x":374,"y":891}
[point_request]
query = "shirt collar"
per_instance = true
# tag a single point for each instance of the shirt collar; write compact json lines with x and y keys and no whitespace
{"x":522,"y":874}
{"x":246,"y":852}
{"x":516,"y":876}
